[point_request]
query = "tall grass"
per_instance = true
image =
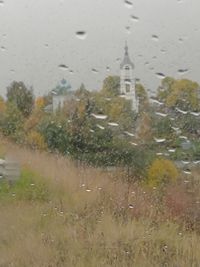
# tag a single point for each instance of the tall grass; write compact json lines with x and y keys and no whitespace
{"x":60,"y":214}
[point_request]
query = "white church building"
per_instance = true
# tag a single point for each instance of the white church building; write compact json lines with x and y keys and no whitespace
{"x":127,"y":81}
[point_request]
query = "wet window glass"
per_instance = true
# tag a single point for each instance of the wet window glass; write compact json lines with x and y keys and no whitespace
{"x":99,"y":133}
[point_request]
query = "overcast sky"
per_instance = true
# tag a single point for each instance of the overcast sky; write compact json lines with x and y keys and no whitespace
{"x":36,"y":36}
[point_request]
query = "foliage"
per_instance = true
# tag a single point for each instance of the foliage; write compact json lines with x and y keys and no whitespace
{"x":40,"y":102}
{"x":21,"y":96}
{"x":29,"y":187}
{"x":2,"y":105}
{"x":165,"y":88}
{"x":12,"y":121}
{"x":161,"y":172}
{"x":183,"y":94}
{"x":82,"y":92}
{"x":111,"y":86}
{"x":36,"y":140}
{"x":144,"y":130}
{"x":54,"y":133}
{"x":142,"y":96}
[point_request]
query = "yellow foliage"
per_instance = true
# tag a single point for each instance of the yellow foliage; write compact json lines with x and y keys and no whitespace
{"x":183,"y":89}
{"x":36,"y":140}
{"x":162,"y":171}
{"x":40,"y":102}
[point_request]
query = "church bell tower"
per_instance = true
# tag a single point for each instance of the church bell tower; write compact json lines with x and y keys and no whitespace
{"x":127,"y":82}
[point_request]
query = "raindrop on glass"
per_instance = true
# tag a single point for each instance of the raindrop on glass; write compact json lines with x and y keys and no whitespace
{"x":81,"y":35}
{"x":155,"y":37}
{"x":63,"y":67}
{"x":134,"y":18}
{"x":128,"y":4}
{"x":183,"y":71}
{"x":160,"y":75}
{"x":3,"y":48}
{"x":94,"y":70}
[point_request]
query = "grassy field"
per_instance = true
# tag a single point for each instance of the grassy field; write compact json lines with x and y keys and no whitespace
{"x":60,"y":214}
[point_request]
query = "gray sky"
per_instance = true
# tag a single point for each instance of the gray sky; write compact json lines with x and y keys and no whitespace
{"x":38,"y":35}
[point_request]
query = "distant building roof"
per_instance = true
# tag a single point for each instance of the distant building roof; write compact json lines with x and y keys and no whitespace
{"x":126,"y":60}
{"x":63,"y":88}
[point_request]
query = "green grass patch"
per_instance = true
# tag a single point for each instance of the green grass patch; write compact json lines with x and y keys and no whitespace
{"x":29,"y":187}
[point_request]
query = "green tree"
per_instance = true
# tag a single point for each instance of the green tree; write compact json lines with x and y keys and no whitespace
{"x":165,"y":88}
{"x":111,"y":86}
{"x":184,"y":95}
{"x":82,"y":92}
{"x":12,"y":122}
{"x":21,"y":96}
{"x":142,"y":96}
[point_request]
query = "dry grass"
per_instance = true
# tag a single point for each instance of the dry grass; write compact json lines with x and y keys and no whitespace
{"x":86,"y":221}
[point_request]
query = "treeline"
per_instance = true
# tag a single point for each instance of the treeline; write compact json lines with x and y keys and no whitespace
{"x":101,"y":129}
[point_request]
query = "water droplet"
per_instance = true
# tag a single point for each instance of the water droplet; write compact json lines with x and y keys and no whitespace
{"x":3,"y":48}
{"x":2,"y":2}
{"x":128,"y":29}
{"x":187,"y":171}
{"x":100,"y":116}
{"x":163,"y":51}
{"x":155,"y":101}
{"x":134,"y":144}
{"x":88,"y":190}
{"x":155,"y":37}
{"x":160,"y":75}
{"x":129,"y":134}
{"x":161,"y":114}
{"x":63,"y":67}
{"x":100,"y":127}
{"x":94,"y":70}
{"x":184,"y":112}
{"x":196,"y":114}
{"x":134,"y":18}
{"x":183,"y":71}
{"x":128,"y":4}
{"x":113,"y":124}
{"x":81,"y":35}
{"x":159,"y":140}
{"x":108,"y":68}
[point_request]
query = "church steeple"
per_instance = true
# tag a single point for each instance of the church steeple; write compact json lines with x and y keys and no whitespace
{"x":127,"y":82}
{"x":126,"y":60}
{"x":126,"y":49}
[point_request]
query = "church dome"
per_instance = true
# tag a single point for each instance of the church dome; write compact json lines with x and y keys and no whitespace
{"x":63,"y":88}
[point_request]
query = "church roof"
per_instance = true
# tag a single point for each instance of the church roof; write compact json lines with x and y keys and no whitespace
{"x":63,"y":88}
{"x":126,"y":60}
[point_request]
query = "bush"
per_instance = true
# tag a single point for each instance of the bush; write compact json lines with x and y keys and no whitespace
{"x":162,"y":171}
{"x":36,"y":140}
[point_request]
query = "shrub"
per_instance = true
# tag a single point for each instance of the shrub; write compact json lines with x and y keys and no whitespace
{"x":36,"y":140}
{"x":162,"y":171}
